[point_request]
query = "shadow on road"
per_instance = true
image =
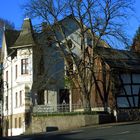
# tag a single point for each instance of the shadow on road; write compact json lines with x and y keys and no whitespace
{"x":69,"y":136}
{"x":62,"y":136}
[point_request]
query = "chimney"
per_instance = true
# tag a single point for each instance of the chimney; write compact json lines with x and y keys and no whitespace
{"x":44,"y":26}
{"x":136,"y":46}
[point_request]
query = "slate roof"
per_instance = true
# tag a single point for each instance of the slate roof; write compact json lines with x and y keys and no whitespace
{"x":120,"y":59}
{"x":26,"y":35}
{"x":11,"y":36}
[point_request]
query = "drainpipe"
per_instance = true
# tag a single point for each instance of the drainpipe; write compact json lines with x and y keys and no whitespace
{"x":11,"y":98}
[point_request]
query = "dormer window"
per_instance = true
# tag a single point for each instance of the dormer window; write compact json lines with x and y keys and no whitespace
{"x":69,"y":44}
{"x":89,"y":41}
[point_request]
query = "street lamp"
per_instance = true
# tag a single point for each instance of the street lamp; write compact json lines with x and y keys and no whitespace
{"x":2,"y":86}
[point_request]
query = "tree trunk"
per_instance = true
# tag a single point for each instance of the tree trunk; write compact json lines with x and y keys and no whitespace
{"x":105,"y":107}
{"x":86,"y":103}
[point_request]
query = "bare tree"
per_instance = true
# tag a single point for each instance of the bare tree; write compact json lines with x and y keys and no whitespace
{"x":98,"y":21}
{"x":5,"y":24}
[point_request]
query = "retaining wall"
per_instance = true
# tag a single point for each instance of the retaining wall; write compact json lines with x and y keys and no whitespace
{"x":41,"y":123}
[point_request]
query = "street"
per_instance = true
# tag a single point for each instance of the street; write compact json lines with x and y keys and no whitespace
{"x":101,"y":132}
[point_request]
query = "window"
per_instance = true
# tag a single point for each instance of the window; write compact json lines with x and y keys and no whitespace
{"x":15,"y":122}
{"x":6,"y":76}
{"x":129,"y":94}
{"x":64,"y":96}
{"x":41,"y":66}
{"x":69,"y":44}
{"x":16,"y":71}
{"x":19,"y":122}
{"x":6,"y":102}
{"x":24,"y":66}
{"x":7,"y":124}
{"x":40,"y":96}
{"x":16,"y":102}
{"x":20,"y":98}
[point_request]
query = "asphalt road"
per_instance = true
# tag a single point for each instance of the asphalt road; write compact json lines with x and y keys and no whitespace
{"x":101,"y":132}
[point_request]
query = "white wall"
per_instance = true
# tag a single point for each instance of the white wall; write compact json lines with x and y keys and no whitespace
{"x":16,"y":85}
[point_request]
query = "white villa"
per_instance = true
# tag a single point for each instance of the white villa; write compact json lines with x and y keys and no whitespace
{"x":29,"y":77}
{"x":17,"y":56}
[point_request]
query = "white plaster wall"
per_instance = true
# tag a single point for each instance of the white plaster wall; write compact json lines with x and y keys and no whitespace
{"x":16,"y":85}
{"x":15,"y":131}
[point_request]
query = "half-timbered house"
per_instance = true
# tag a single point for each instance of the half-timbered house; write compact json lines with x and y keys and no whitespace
{"x":122,"y":71}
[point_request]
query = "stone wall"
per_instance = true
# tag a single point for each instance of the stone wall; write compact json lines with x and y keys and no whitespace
{"x":128,"y":115}
{"x":41,"y":123}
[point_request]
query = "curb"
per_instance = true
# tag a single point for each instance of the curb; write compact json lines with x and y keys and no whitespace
{"x":114,"y":124}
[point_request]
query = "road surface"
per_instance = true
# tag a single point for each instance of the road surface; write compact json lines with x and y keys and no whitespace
{"x":101,"y":132}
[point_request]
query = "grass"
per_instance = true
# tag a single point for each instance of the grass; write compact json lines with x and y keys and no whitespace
{"x":66,"y":113}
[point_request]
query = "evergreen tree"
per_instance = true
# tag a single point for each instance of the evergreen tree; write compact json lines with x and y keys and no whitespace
{"x":137,"y":36}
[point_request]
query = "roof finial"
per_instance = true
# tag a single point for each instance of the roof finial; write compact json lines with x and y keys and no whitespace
{"x":26,"y":18}
{"x":2,"y":26}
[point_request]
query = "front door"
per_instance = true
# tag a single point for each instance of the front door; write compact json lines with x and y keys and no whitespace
{"x":64,"y":96}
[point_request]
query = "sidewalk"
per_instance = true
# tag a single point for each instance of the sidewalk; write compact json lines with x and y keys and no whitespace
{"x":115,"y":124}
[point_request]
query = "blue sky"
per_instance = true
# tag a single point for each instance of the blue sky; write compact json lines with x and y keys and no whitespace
{"x":134,"y":21}
{"x":11,"y":10}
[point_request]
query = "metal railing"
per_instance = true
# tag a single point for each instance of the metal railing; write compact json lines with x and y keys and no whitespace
{"x":60,"y":108}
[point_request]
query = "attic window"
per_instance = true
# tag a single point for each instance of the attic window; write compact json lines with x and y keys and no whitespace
{"x":69,"y":43}
{"x":89,"y":41}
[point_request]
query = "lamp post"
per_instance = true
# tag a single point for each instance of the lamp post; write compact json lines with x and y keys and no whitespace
{"x":2,"y":105}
